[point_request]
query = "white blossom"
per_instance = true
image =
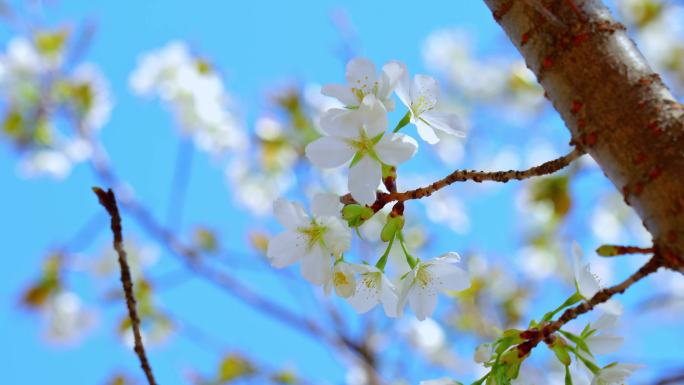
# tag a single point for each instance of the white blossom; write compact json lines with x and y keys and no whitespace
{"x":602,"y":340}
{"x":419,"y":287}
{"x":195,"y":94}
{"x":421,"y":96}
{"x":343,"y":280}
{"x":363,"y":80}
{"x":615,"y":374}
{"x":373,"y":287}
{"x":312,"y":239}
{"x":360,"y":135}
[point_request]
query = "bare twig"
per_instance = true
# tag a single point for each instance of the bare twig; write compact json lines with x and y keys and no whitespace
{"x":546,"y":168}
{"x":108,"y":201}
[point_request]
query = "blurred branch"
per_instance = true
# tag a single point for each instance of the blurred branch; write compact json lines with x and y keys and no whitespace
{"x":179,"y":185}
{"x":671,"y":380}
{"x":191,"y":258}
{"x":108,"y":201}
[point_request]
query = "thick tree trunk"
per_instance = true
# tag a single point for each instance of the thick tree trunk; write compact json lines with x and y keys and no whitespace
{"x":617,"y":109}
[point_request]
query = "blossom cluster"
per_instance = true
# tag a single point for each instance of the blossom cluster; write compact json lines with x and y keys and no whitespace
{"x":356,"y":136}
{"x":39,"y":86}
{"x":195,"y":94}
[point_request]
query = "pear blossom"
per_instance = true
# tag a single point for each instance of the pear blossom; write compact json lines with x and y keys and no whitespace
{"x":343,"y":280}
{"x":360,"y":136}
{"x":419,"y":287}
{"x":373,"y":287}
{"x":421,"y":96}
{"x":313,"y":239}
{"x":614,"y":374}
{"x":363,"y":80}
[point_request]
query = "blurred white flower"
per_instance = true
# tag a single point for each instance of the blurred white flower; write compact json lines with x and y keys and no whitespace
{"x":194,"y":92}
{"x":67,"y":319}
{"x":615,"y":374}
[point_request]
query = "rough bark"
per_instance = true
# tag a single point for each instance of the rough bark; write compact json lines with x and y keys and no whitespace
{"x":617,"y":109}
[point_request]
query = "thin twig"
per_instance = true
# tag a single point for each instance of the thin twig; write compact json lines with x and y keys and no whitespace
{"x":546,"y":168}
{"x":537,"y":335}
{"x":108,"y":201}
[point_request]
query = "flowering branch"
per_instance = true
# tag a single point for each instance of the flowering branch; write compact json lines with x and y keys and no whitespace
{"x":108,"y":201}
{"x":543,"y":333}
{"x":546,"y":168}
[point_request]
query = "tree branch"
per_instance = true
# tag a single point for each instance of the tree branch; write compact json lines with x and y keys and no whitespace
{"x":615,"y":106}
{"x":536,"y":335}
{"x":108,"y":201}
{"x":546,"y":168}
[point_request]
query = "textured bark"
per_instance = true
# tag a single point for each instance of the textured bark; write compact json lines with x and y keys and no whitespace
{"x":617,"y":109}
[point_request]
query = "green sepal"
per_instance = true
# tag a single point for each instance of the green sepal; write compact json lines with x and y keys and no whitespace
{"x":560,"y":348}
{"x":394,"y":224}
{"x":356,"y":214}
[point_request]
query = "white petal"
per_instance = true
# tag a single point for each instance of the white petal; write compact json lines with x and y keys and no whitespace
{"x":373,"y":115}
{"x":394,"y":149}
{"x":425,"y":132}
{"x":388,"y":297}
{"x":605,"y":321}
{"x":450,"y":257}
{"x":424,"y":93}
{"x":342,"y":93}
{"x":316,"y":266}
{"x":449,"y":277}
{"x":361,"y":74}
{"x":341,"y":122}
{"x":604,"y":344}
{"x":286,"y":248}
{"x":367,"y":294}
{"x":439,"y":381}
{"x":364,"y":178}
{"x":577,"y":255}
{"x":444,"y":121}
{"x":391,"y":74}
{"x":329,"y":152}
{"x":326,"y":205}
{"x":403,"y":89}
{"x":406,"y":285}
{"x":290,"y":214}
{"x":423,"y":301}
{"x":587,"y":283}
{"x":612,"y":307}
{"x":338,"y":237}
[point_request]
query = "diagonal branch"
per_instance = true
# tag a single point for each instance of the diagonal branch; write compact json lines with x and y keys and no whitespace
{"x":108,"y":201}
{"x":546,"y":168}
{"x":615,"y":106}
{"x":537,"y":335}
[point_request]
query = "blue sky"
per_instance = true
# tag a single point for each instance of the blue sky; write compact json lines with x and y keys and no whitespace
{"x":257,"y":45}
